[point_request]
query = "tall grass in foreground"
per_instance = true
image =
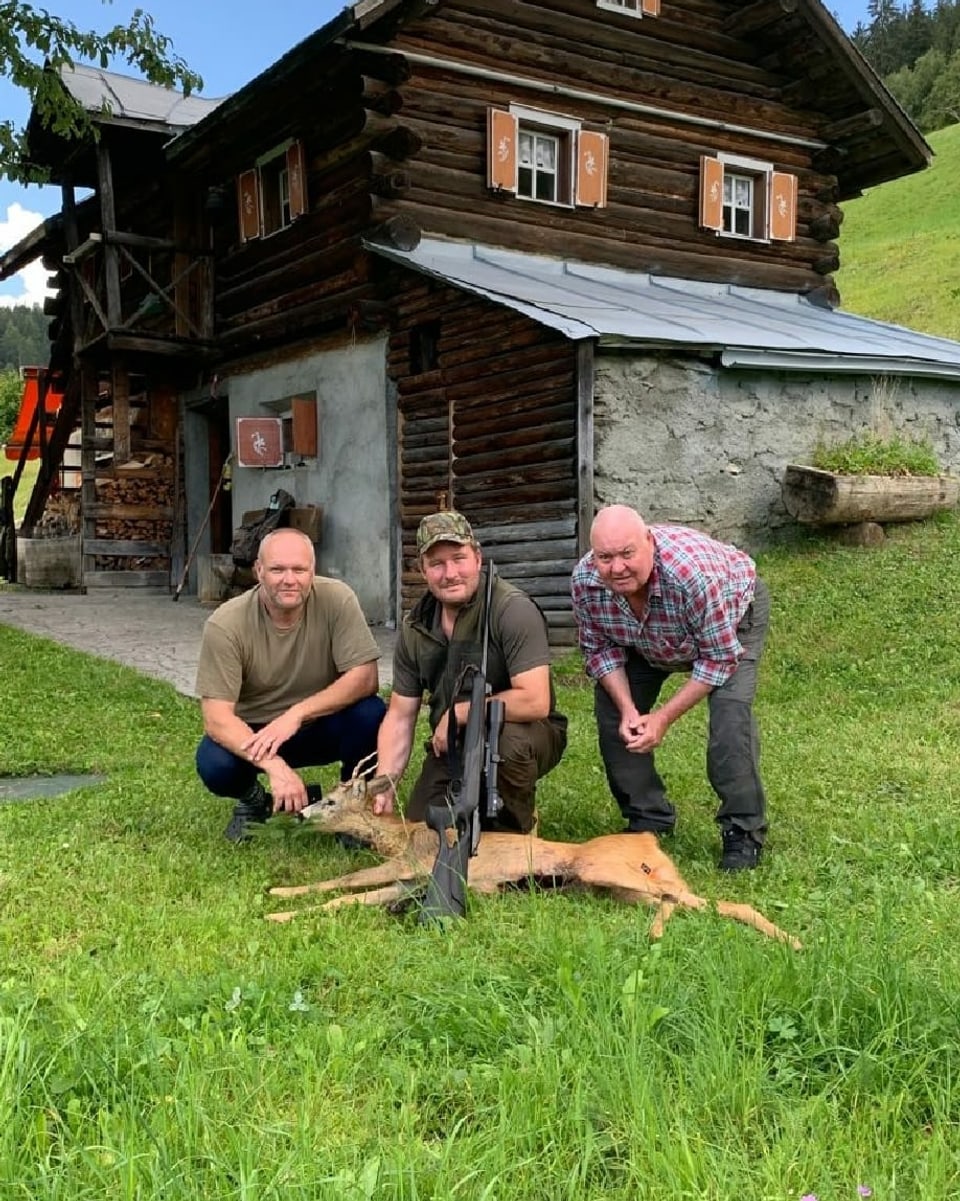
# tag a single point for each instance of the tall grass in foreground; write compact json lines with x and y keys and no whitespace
{"x":159,"y":1039}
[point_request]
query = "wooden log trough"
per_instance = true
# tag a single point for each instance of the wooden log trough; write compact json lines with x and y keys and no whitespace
{"x":816,"y":497}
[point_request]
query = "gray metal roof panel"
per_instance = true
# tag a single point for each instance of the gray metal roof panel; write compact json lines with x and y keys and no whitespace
{"x":134,"y":99}
{"x":633,"y":307}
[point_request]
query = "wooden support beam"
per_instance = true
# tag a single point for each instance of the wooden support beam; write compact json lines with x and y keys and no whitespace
{"x":120,"y":400}
{"x":108,"y":219}
{"x":837,"y":131}
{"x":751,"y":18}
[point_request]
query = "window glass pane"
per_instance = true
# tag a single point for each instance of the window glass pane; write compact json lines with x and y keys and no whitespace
{"x":546,"y":154}
{"x":546,"y":187}
{"x":744,"y":192}
{"x":526,"y":149}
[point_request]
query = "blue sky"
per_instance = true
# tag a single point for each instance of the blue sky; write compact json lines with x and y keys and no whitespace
{"x":227,"y":41}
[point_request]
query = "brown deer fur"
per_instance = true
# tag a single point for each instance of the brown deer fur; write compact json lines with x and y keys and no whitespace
{"x":631,"y":867}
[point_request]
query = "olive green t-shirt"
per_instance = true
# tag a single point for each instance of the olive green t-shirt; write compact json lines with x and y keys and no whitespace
{"x":425,"y":661}
{"x":244,"y":658}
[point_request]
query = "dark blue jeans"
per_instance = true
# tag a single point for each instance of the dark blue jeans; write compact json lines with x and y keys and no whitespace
{"x":733,"y":747}
{"x":345,"y":738}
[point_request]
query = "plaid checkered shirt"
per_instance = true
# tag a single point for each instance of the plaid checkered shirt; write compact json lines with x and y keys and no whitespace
{"x":697,"y":594}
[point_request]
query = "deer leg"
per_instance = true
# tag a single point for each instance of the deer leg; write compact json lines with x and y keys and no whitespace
{"x":374,"y":896}
{"x":664,"y":910}
{"x":365,"y":877}
{"x":751,"y":917}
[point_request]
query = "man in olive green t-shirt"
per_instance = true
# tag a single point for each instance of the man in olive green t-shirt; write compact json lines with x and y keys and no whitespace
{"x":287,"y":678}
{"x":442,"y":633}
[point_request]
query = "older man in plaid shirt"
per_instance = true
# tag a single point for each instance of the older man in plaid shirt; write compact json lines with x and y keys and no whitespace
{"x":653,"y":600}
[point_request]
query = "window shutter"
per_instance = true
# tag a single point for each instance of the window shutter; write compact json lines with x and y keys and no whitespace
{"x":783,"y":206}
{"x":650,"y":8}
{"x":296,"y":180}
{"x":593,"y":152}
{"x":248,"y":199}
{"x":304,"y":410}
{"x":501,"y":150}
{"x":711,"y":192}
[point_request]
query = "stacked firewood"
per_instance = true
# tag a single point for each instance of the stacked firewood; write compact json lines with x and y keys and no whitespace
{"x":141,"y":494}
{"x":61,"y":516}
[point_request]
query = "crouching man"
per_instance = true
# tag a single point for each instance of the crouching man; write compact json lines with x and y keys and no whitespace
{"x":444,"y":631}
{"x":287,"y":679}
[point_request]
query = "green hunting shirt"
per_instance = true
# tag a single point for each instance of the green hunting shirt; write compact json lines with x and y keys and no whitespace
{"x":426,"y":661}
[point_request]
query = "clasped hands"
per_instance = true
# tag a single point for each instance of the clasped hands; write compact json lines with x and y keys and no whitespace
{"x":642,"y":732}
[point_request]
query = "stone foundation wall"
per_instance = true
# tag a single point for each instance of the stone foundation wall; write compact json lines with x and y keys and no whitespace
{"x":686,"y":441}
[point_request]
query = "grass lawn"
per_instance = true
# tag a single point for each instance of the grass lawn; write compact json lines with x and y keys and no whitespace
{"x":159,"y":1039}
{"x":900,"y":246}
{"x":25,"y":485}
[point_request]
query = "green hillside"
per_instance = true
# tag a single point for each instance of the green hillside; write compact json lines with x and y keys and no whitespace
{"x":900,"y":246}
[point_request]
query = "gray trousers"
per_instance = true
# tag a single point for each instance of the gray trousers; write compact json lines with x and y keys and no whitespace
{"x":733,"y":746}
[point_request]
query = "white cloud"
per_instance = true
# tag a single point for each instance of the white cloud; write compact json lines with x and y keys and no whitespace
{"x":31,"y":282}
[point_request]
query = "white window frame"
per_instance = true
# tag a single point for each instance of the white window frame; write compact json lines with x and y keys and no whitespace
{"x":759,"y":175}
{"x":630,"y":8}
{"x":278,"y":179}
{"x":563,"y":131}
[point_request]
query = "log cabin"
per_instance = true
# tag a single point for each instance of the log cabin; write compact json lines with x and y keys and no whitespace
{"x":520,"y":257}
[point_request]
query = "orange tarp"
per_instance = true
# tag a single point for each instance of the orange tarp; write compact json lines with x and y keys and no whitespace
{"x":28,"y":405}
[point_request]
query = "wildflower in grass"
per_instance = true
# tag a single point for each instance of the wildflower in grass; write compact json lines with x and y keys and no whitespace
{"x":809,"y":1197}
{"x":864,"y":1190}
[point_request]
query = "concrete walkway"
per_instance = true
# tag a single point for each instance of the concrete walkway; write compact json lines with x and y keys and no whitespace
{"x":152,"y":634}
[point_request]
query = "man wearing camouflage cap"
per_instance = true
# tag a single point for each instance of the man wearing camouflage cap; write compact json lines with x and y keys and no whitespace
{"x":444,"y":631}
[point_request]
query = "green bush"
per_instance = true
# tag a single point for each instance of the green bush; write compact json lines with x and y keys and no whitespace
{"x":11,"y":389}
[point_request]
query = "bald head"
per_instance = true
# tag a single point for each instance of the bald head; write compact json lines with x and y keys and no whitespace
{"x":617,"y":521}
{"x":286,"y":542}
{"x":285,"y":568}
{"x":622,"y":548}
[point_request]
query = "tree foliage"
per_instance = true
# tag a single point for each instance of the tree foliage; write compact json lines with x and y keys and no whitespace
{"x":11,"y":390}
{"x":916,"y":49}
{"x":24,"y":341}
{"x":32,"y":40}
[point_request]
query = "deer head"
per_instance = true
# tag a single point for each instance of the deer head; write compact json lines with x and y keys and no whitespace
{"x":339,"y":810}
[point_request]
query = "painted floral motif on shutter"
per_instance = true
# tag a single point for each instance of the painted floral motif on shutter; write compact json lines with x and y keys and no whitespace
{"x":502,"y":157}
{"x":593,"y":152}
{"x":783,"y":206}
{"x":248,"y":200}
{"x":296,"y":180}
{"x":711,"y":192}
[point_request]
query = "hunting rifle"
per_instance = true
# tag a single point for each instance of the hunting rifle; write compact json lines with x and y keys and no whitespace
{"x":458,"y":821}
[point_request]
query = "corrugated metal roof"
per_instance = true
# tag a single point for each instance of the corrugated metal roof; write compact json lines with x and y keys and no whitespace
{"x":751,"y":327}
{"x":134,"y":99}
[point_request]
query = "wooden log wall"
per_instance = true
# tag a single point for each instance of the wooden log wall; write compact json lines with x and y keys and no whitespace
{"x":488,"y":425}
{"x":314,"y":275}
{"x":694,"y":65}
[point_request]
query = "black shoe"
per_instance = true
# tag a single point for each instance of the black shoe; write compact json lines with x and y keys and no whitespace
{"x":741,"y":851}
{"x":252,"y":809}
